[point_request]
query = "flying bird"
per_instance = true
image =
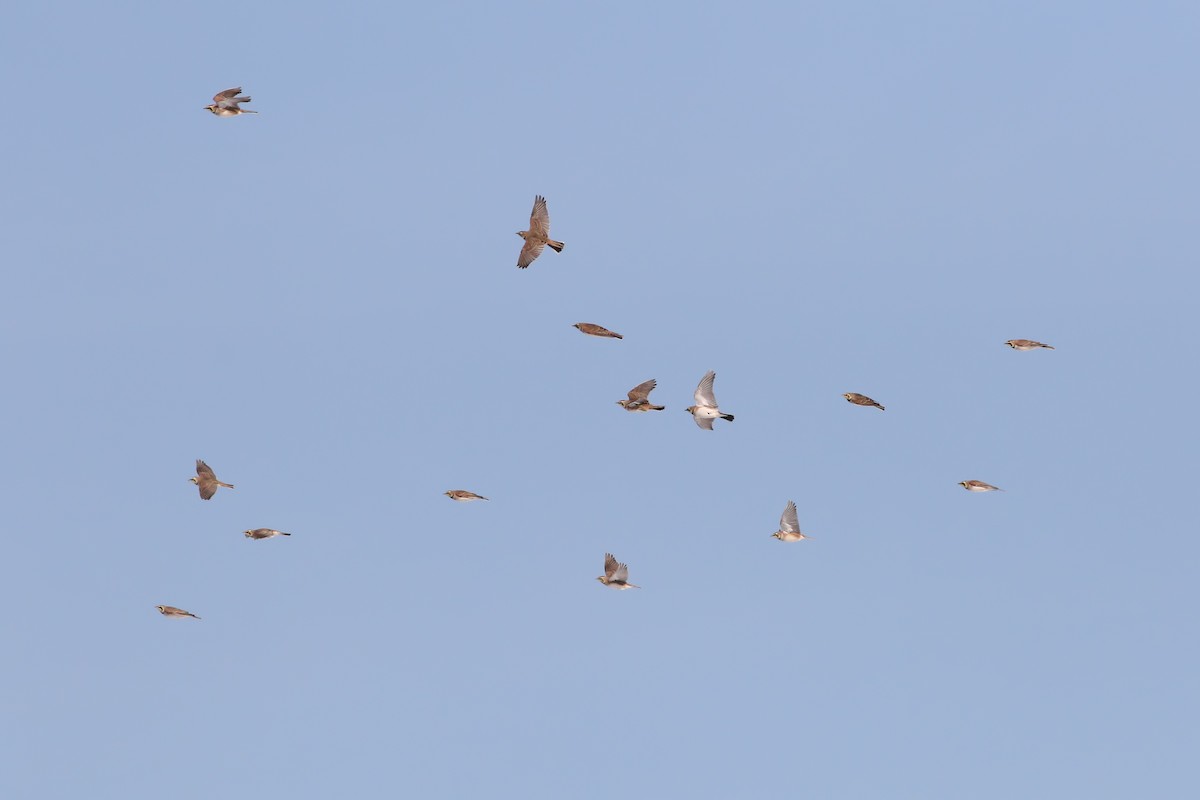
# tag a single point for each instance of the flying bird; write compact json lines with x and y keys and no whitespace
{"x":789,"y":526}
{"x":979,"y":486}
{"x":639,"y":398}
{"x":175,"y":613}
{"x":207,"y":481}
{"x":1026,"y":344}
{"x":538,"y":235}
{"x":616,"y":574}
{"x":264,"y":533}
{"x":225,"y":104}
{"x":705,"y":410}
{"x":861,"y":400}
{"x":463,"y":496}
{"x":596,"y":330}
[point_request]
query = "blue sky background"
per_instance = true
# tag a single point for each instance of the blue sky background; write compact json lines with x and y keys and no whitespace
{"x":321,"y":301}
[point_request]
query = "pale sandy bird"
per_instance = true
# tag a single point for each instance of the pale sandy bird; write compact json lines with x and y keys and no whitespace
{"x":789,"y":526}
{"x":1026,"y":344}
{"x":463,"y":496}
{"x":979,"y":486}
{"x":616,"y":574}
{"x":861,"y":400}
{"x":175,"y":613}
{"x":225,"y":104}
{"x":596,"y":330}
{"x":538,"y":235}
{"x":207,"y":481}
{"x":639,"y":398}
{"x":705,"y":410}
{"x":264,"y":533}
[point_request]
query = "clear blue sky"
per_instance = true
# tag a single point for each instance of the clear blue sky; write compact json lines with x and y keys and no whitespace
{"x":322,"y":302}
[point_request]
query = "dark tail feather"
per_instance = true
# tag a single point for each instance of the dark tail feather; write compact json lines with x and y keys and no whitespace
{"x":727,"y":416}
{"x":285,"y":534}
{"x":226,"y":485}
{"x":558,"y":246}
{"x":657,"y":408}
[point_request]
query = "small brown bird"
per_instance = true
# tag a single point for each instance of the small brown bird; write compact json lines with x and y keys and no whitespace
{"x":264,"y":533}
{"x":538,"y":235}
{"x":596,"y":330}
{"x":463,"y":496}
{"x":175,"y":613}
{"x":225,"y":104}
{"x":789,"y":526}
{"x":706,"y":410}
{"x":207,"y":481}
{"x":861,"y":400}
{"x":616,"y":575}
{"x":979,"y":486}
{"x":1026,"y":344}
{"x":639,"y":398}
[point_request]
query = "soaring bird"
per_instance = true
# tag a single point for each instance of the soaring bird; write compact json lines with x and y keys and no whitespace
{"x":264,"y":533}
{"x":861,"y":400}
{"x":705,"y":410}
{"x":538,"y":235}
{"x":207,"y":481}
{"x":639,"y":398}
{"x":596,"y":330}
{"x":175,"y":613}
{"x":789,"y":526}
{"x":463,"y":496}
{"x":1026,"y":344}
{"x":225,"y":104}
{"x":616,"y":574}
{"x":979,"y":486}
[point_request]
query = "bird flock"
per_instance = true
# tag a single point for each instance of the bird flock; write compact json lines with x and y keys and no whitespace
{"x":704,"y":412}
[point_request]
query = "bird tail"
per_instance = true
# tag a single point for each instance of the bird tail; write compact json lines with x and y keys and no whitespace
{"x":558,"y":246}
{"x":727,"y":416}
{"x":656,"y":408}
{"x":226,"y":485}
{"x":284,"y":534}
{"x":246,"y":110}
{"x":617,"y":336}
{"x":1048,"y":347}
{"x":881,"y":408}
{"x":193,"y":616}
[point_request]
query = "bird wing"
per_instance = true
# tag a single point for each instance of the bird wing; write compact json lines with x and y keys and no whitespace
{"x":789,"y":523}
{"x":611,"y":566}
{"x":530,"y":252}
{"x":704,"y":392}
{"x":207,"y":485}
{"x":641,"y":392}
{"x":539,"y":218}
{"x":704,"y":422}
{"x":204,"y":470}
{"x":228,"y":94}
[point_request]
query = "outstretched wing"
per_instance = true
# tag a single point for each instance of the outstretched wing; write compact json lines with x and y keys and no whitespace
{"x":204,"y":470}
{"x":611,"y":566}
{"x":789,"y":523}
{"x":704,"y":422}
{"x":530,"y":252}
{"x":539,"y":218}
{"x":704,"y":393}
{"x":641,"y":392}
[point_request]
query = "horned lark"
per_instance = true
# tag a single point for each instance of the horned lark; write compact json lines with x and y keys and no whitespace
{"x":705,"y":410}
{"x":616,"y":575}
{"x":264,"y":533}
{"x":225,"y":104}
{"x":538,"y":235}
{"x":979,"y":486}
{"x":789,"y":526}
{"x":596,"y":330}
{"x":175,"y":613}
{"x":207,"y":481}
{"x":639,"y":398}
{"x":463,"y":496}
{"x":861,"y":400}
{"x":1026,"y":344}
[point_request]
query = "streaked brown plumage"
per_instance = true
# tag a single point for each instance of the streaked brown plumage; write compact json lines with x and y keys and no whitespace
{"x":861,"y":400}
{"x":538,"y":235}
{"x":979,"y":486}
{"x":172,"y":611}
{"x":463,"y":496}
{"x":596,"y":330}
{"x":207,"y":481}
{"x":616,"y":574}
{"x":225,"y":104}
{"x":639,"y":398}
{"x":264,"y":533}
{"x":1026,"y":344}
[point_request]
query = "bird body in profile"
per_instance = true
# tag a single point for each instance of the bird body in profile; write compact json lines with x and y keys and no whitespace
{"x":538,"y":235}
{"x":639,"y":398}
{"x":597,"y":330}
{"x":616,"y":574}
{"x":175,"y":613}
{"x":207,"y":481}
{"x":264,"y":533}
{"x":463,"y":496}
{"x":706,"y":410}
{"x":979,"y":486}
{"x":225,"y":104}
{"x":861,"y":400}
{"x":1026,"y":344}
{"x":789,"y":526}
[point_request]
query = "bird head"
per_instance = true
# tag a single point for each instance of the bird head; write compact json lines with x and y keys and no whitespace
{"x":690,"y":409}
{"x":194,"y":480}
{"x":846,"y":395}
{"x":603,"y":579}
{"x":622,"y":403}
{"x":162,"y":609}
{"x":962,"y":484}
{"x":212,"y":107}
{"x":249,"y":534}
